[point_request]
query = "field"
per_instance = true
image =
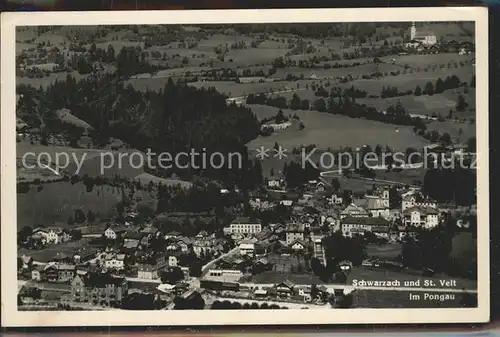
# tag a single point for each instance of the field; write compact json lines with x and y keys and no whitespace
{"x":335,"y":131}
{"x":438,"y":104}
{"x":56,"y":202}
{"x":387,"y":251}
{"x":47,"y":80}
{"x":48,"y":253}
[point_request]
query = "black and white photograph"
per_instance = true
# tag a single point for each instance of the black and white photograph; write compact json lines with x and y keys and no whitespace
{"x":245,"y":161}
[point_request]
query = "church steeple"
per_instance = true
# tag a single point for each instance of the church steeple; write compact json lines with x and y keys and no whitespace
{"x":413,"y":31}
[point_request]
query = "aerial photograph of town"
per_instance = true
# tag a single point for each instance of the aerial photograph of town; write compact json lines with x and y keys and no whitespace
{"x":246,"y":166}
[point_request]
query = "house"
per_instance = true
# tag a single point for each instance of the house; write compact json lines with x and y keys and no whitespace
{"x":172,"y":261}
{"x":27,"y":262}
{"x":260,"y":293}
{"x":284,"y":289}
{"x":421,"y":216}
{"x":59,"y":273}
{"x":99,"y":289}
{"x":40,"y":234}
{"x":112,"y":233}
{"x":354,"y":210}
{"x":224,"y":275}
{"x":131,"y":239}
{"x":274,"y":182}
{"x":57,"y":235}
{"x":417,"y":199}
{"x":247,"y":248}
{"x":245,"y":226}
{"x":359,"y":225}
{"x":335,"y":200}
{"x":203,"y":245}
{"x":294,"y":232}
{"x":298,"y":245}
{"x":37,"y":274}
{"x":172,"y":235}
{"x":183,"y":243}
{"x":147,"y":271}
{"x":115,"y":261}
{"x":320,"y":187}
{"x":286,"y":202}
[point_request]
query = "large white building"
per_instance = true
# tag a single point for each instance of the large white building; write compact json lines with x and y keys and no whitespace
{"x":245,"y":226}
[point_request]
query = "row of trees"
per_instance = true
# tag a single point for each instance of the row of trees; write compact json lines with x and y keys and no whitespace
{"x":221,"y":305}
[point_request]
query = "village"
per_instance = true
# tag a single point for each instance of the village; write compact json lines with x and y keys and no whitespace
{"x":274,"y":234}
{"x":125,"y":264}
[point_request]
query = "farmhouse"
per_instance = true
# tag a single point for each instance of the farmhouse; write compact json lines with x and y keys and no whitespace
{"x":112,"y":233}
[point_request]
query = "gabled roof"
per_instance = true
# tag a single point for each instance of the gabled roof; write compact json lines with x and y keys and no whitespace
{"x":420,"y":209}
{"x":351,"y":208}
{"x":243,"y":220}
{"x":149,"y":230}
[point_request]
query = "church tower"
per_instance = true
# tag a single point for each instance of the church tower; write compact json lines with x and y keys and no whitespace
{"x":413,"y":31}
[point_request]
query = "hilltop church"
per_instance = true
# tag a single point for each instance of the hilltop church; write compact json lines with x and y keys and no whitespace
{"x":425,"y":38}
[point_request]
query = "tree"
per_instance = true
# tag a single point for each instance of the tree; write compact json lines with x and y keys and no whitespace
{"x":439,"y":86}
{"x":446,"y":138}
{"x":471,"y":144}
{"x":335,"y":184}
{"x":172,"y":275}
{"x":461,"y":103}
{"x":418,"y":91}
{"x":320,"y":105}
{"x":428,"y":89}
{"x":195,"y":269}
{"x":79,"y":216}
{"x":295,"y":102}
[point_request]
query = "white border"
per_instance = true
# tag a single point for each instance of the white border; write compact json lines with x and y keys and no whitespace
{"x":13,"y":318}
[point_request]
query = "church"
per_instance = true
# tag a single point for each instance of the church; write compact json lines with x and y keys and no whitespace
{"x":425,"y":38}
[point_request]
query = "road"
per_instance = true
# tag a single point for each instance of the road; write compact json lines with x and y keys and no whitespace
{"x":338,"y":174}
{"x":348,"y":288}
{"x":207,"y":266}
{"x":290,"y":305}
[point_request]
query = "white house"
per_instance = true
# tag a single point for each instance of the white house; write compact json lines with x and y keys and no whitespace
{"x":115,"y":261}
{"x":298,"y":245}
{"x":274,"y":182}
{"x":247,"y":248}
{"x":111,"y":233}
{"x":335,"y":200}
{"x":418,"y":216}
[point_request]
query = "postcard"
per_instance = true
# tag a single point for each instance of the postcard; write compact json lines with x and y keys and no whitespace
{"x":312,"y":166}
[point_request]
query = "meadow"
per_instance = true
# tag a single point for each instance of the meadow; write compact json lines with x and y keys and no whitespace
{"x":334,"y":131}
{"x":56,"y":202}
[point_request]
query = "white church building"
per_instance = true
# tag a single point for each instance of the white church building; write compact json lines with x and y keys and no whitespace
{"x":417,"y":38}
